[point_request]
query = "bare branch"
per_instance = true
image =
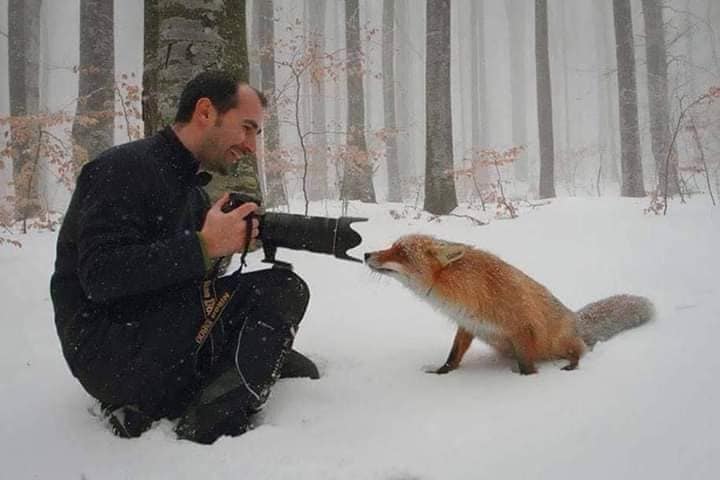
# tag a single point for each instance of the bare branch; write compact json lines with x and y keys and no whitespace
{"x":476,"y":221}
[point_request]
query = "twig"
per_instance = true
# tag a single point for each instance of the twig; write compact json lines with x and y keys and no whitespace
{"x":504,"y":201}
{"x":473,"y":219}
{"x":31,"y":178}
{"x":125,"y":113}
{"x":683,"y":111}
{"x":536,"y":205}
{"x":701,"y":151}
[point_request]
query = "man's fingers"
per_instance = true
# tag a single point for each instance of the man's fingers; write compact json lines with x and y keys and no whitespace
{"x":244,"y":210}
{"x":221,"y":201}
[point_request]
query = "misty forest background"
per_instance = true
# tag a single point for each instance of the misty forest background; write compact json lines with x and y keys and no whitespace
{"x":488,"y":103}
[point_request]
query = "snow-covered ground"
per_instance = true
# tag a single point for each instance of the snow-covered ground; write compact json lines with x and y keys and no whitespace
{"x":643,"y":405}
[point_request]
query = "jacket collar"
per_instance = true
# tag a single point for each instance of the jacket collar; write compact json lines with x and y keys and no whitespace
{"x":183,"y":162}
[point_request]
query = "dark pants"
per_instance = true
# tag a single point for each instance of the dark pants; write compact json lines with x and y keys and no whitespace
{"x":155,"y":364}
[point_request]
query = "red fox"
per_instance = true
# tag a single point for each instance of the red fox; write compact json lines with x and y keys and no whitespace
{"x":494,"y":301}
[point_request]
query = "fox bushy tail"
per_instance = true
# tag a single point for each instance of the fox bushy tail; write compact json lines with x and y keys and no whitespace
{"x":598,"y":321}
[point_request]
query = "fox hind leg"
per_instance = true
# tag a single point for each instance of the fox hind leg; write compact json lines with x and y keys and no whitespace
{"x":573,"y":349}
{"x":462,"y":342}
{"x":525,"y":350}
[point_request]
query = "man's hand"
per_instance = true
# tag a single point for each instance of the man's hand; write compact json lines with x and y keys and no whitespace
{"x":224,"y":233}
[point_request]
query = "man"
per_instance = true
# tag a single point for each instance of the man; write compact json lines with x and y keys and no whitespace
{"x":143,"y":323}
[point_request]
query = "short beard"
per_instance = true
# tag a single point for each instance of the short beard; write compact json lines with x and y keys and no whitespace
{"x":211,"y":159}
{"x":216,"y":167}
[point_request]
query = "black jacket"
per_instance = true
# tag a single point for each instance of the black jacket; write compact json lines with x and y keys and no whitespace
{"x":128,"y":238}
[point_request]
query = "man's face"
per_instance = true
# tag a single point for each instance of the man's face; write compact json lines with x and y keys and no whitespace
{"x":232,"y":134}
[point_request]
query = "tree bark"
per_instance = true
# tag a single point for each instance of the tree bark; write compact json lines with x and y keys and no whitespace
{"x":403,"y":66}
{"x":658,"y":101}
{"x":544,"y":101}
{"x":516,"y":23}
{"x":319,"y":166}
{"x":631,"y":165}
{"x":357,"y":181}
{"x":388,"y":57}
{"x":480,"y":116}
{"x":94,"y":125}
{"x":24,"y":78}
{"x":562,"y":6}
{"x":607,"y":128}
{"x":254,"y":74}
{"x":150,"y":110}
{"x":440,"y":196}
{"x":275,"y":193}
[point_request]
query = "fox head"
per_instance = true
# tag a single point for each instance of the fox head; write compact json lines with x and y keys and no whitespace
{"x":415,"y":258}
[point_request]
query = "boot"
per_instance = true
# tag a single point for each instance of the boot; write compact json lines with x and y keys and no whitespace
{"x":297,"y":365}
{"x":127,"y":421}
{"x":206,"y":421}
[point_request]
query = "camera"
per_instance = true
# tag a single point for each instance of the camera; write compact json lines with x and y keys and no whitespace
{"x":332,"y":236}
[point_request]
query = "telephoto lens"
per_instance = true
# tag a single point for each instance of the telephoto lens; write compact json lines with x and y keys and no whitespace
{"x":332,"y":236}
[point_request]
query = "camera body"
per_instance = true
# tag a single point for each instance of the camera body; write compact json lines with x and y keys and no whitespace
{"x":332,"y":236}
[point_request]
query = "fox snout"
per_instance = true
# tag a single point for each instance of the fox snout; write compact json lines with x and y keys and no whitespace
{"x":371,"y":259}
{"x":376,"y":260}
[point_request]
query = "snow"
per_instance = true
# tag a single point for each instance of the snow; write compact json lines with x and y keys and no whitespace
{"x":642,"y":405}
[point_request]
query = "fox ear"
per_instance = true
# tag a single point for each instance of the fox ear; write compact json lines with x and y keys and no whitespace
{"x":447,"y":253}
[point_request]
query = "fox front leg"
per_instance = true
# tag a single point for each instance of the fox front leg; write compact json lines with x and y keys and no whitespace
{"x":462,"y":342}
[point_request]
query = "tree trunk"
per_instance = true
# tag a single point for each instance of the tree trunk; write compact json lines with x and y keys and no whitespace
{"x":544,"y":101}
{"x":631,"y":165}
{"x":274,"y":177}
{"x":404,"y":57}
{"x":255,"y":79}
{"x":388,"y":56}
{"x":562,"y":6}
{"x":94,"y":125}
{"x":24,"y":78}
{"x":318,"y":123}
{"x":516,"y":14}
{"x":440,"y":197}
{"x":254,"y":74}
{"x":480,"y":117}
{"x":150,"y":110}
{"x":357,"y":181}
{"x":658,"y":102}
{"x":607,"y":128}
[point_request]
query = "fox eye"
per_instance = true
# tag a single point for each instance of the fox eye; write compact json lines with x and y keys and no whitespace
{"x":400,"y":250}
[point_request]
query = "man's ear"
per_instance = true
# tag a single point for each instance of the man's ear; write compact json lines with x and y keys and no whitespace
{"x":446,"y":253}
{"x":205,"y":111}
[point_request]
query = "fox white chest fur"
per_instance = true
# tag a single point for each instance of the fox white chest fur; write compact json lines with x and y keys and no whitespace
{"x":462,"y":317}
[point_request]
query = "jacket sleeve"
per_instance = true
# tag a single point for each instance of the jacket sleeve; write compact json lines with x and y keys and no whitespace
{"x":115,"y":257}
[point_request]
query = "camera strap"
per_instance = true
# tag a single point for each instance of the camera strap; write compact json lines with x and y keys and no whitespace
{"x":212,"y":308}
{"x":212,"y":305}
{"x":248,"y":238}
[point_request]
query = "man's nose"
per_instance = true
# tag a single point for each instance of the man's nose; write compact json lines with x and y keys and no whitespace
{"x":250,"y":142}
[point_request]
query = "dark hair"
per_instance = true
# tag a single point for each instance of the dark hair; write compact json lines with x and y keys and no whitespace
{"x":219,"y":87}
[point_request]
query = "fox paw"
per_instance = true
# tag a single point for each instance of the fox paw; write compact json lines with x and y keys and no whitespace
{"x":439,"y":371}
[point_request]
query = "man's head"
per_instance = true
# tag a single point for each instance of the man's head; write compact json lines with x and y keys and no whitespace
{"x":219,"y":119}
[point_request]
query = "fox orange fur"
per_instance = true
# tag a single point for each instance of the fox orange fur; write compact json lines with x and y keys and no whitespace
{"x":496,"y":302}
